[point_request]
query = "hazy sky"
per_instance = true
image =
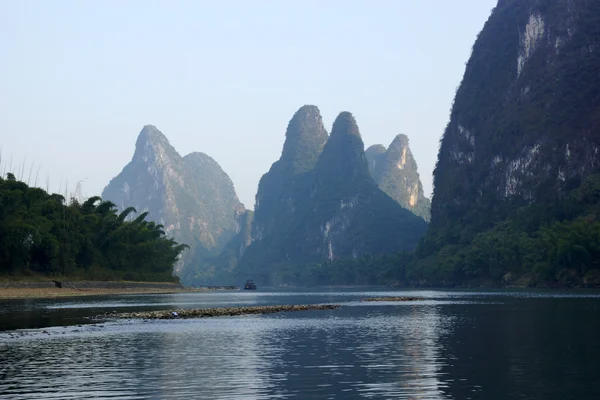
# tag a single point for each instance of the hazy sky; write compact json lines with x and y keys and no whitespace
{"x":79,"y":79}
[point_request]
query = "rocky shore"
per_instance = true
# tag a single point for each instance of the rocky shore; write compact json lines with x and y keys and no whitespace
{"x":405,"y":298}
{"x":217,"y":312}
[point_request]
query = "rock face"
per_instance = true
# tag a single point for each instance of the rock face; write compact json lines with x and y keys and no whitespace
{"x":277,"y":198}
{"x":319,"y":202}
{"x":525,"y":124}
{"x":191,"y":196}
{"x":395,"y":171}
{"x":222,"y":268}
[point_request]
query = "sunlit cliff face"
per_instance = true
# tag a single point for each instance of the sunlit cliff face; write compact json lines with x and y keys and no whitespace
{"x":191,"y":196}
{"x":395,"y":171}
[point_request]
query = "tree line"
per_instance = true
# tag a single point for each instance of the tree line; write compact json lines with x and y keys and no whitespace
{"x":555,"y":243}
{"x":41,"y":234}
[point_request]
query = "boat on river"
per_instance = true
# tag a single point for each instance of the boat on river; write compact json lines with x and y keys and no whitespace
{"x":249,"y":285}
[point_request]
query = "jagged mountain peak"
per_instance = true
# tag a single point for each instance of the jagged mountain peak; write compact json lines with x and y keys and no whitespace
{"x":400,"y":154}
{"x":151,"y":138}
{"x":395,"y":171}
{"x":345,"y":124}
{"x":148,"y":129}
{"x":375,"y":149}
{"x":343,"y":156}
{"x":305,"y":138}
{"x":191,"y":196}
{"x":306,"y":112}
{"x":150,"y":133}
{"x":327,"y":211}
{"x":401,"y":141}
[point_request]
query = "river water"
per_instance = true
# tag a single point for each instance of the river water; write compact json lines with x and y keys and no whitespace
{"x":453,"y":345}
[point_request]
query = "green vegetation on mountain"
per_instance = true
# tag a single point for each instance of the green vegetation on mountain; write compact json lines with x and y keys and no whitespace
{"x":191,"y":196}
{"x":395,"y":171}
{"x":42,"y":235}
{"x":539,"y":244}
{"x":515,"y":197}
{"x":326,"y":209}
{"x":221,"y":269}
{"x":279,"y":194}
{"x":387,"y":269}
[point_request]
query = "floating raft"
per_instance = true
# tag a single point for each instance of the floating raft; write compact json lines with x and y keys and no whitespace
{"x":406,"y":298}
{"x":218,"y":312}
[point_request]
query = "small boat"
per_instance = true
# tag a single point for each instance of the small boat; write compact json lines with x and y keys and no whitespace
{"x":249,"y":285}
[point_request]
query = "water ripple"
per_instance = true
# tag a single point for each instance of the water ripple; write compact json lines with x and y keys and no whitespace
{"x":449,"y":346}
{"x":258,"y":357}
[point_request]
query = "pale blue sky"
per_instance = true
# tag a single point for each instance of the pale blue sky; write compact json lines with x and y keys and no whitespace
{"x":79,"y":79}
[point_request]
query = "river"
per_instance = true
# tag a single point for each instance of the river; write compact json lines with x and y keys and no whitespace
{"x":500,"y":344}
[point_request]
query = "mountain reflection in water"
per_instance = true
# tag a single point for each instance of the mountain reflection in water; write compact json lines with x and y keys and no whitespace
{"x":456,"y":345}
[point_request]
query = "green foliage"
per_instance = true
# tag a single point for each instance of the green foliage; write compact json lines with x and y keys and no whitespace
{"x":283,"y":188}
{"x":366,"y":270}
{"x":305,"y":138}
{"x":40,"y":234}
{"x":523,"y":133}
{"x":520,"y":135}
{"x":539,"y":244}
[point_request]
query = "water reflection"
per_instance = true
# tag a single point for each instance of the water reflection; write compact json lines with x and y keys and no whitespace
{"x":350,"y":354}
{"x":219,"y":361}
{"x":413,"y":369}
{"x":390,"y":353}
{"x":446,"y":348}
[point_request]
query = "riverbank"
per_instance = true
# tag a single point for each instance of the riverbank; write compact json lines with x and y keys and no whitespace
{"x":49,"y":289}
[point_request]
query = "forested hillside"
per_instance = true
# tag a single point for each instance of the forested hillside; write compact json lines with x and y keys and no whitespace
{"x":43,"y":235}
{"x":515,"y":198}
{"x":319,"y":205}
{"x":547,"y":244}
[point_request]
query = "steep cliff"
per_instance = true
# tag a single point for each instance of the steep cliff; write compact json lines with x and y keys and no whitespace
{"x":523,"y":133}
{"x":395,"y":171}
{"x":524,"y":125}
{"x":328,"y":208}
{"x":191,"y":196}
{"x":279,"y":191}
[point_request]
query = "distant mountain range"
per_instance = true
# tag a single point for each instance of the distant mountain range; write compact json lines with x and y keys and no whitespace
{"x":319,"y":201}
{"x":191,"y":196}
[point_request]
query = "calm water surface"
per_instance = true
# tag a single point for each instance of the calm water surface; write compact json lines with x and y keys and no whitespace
{"x":454,"y":345}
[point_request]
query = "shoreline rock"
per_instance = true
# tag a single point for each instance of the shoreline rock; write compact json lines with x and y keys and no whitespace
{"x":217,"y":312}
{"x":403,"y":298}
